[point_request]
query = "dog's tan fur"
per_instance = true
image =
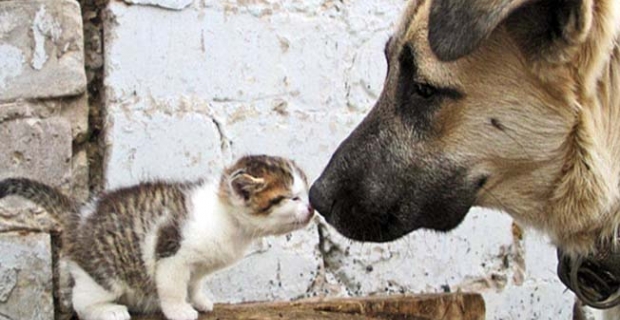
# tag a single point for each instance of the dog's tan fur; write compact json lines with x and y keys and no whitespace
{"x":555,"y":163}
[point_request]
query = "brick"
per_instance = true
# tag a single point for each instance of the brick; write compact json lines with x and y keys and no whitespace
{"x":28,"y":109}
{"x":157,"y":144}
{"x":41,"y":49}
{"x":74,"y":109}
{"x":26,"y":276}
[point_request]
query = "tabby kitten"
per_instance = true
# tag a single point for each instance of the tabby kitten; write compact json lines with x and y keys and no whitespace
{"x":149,"y":246}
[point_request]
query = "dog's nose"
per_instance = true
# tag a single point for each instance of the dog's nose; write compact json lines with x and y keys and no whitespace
{"x":318,"y":200}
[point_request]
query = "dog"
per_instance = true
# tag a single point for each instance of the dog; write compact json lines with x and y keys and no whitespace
{"x":505,"y":104}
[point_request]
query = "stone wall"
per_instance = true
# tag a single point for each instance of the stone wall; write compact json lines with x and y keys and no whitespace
{"x":43,"y":125}
{"x":178,"y":89}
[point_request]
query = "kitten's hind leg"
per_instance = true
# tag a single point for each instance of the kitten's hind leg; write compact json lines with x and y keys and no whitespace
{"x":92,"y":302}
{"x":197,"y":295}
{"x":172,"y":278}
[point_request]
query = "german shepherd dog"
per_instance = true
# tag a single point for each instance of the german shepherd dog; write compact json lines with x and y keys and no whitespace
{"x":506,"y":104}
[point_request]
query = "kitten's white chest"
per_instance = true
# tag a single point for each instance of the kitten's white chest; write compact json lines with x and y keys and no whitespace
{"x":212,"y":239}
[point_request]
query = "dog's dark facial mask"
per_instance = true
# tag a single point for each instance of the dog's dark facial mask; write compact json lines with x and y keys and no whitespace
{"x":387,"y":178}
{"x":380,"y":194}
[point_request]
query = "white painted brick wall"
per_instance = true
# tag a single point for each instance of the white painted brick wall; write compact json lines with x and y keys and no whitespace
{"x":189,"y":89}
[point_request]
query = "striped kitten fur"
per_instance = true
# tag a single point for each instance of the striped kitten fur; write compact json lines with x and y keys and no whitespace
{"x":148,"y":247}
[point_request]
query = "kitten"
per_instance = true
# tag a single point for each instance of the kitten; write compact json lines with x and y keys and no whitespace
{"x":149,"y":246}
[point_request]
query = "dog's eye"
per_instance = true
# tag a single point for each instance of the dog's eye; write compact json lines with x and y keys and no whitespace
{"x":424,"y":90}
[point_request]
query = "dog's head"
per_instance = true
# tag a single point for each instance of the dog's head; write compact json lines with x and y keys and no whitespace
{"x":480,"y":106}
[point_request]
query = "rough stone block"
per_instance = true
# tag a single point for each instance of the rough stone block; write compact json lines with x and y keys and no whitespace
{"x":41,"y":49}
{"x":74,"y":109}
{"x":21,"y":109}
{"x":37,"y":149}
{"x":26,"y":276}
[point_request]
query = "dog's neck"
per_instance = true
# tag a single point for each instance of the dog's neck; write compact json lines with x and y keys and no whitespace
{"x":609,"y":118}
{"x":587,"y":197}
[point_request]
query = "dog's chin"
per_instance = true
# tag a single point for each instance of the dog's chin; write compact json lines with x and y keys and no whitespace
{"x":377,"y":236}
{"x":366,"y":226}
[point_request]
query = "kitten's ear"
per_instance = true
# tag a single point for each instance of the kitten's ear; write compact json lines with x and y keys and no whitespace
{"x":244,"y":184}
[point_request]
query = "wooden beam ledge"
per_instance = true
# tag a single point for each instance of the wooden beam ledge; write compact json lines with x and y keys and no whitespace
{"x":448,"y":306}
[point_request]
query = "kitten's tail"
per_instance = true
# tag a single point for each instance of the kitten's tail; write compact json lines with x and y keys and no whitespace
{"x":53,"y":201}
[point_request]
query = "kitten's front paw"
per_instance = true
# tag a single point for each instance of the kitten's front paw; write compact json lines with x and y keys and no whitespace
{"x":179,"y":311}
{"x":202,"y":303}
{"x":118,"y":313}
{"x":106,"y":312}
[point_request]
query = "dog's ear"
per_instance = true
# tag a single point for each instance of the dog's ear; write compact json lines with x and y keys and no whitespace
{"x":457,"y":27}
{"x":550,"y":29}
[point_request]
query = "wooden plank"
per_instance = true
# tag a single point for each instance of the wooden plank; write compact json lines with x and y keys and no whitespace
{"x":449,"y":306}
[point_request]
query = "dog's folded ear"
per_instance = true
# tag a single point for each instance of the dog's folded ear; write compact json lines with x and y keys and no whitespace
{"x":457,"y":27}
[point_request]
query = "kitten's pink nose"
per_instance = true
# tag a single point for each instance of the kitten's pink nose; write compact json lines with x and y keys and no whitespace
{"x":310,"y":209}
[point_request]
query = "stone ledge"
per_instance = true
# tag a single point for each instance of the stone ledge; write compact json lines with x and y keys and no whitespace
{"x":41,"y":49}
{"x":454,"y":306}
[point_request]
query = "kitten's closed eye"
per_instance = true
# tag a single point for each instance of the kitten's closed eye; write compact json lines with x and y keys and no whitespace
{"x":272,"y":203}
{"x":275,"y":201}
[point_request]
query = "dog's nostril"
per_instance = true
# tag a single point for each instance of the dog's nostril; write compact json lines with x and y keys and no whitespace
{"x":482,"y":181}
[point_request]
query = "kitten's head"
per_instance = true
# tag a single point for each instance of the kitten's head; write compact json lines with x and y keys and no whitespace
{"x":269,"y":194}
